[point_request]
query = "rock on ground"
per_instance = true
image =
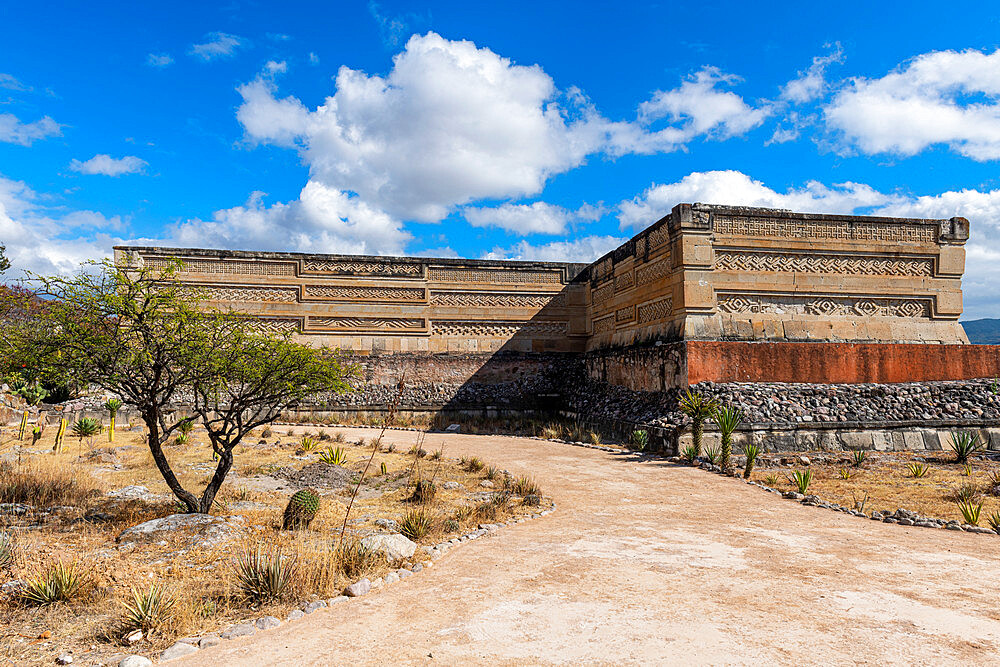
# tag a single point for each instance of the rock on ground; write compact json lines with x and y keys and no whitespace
{"x":178,"y":650}
{"x":394,"y":547}
{"x":358,"y":589}
{"x":205,"y":529}
{"x":135,"y":661}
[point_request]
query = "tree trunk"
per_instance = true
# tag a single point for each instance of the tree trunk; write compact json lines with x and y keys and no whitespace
{"x":696,"y":431}
{"x":156,"y":449}
{"x":221,"y":470}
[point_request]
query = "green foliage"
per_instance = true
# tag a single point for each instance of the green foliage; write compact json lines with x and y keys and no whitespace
{"x":452,"y":526}
{"x":185,"y":426}
{"x":859,"y":456}
{"x":308,"y":443}
{"x":437,"y":455}
{"x":491,"y":473}
{"x":86,"y":427}
{"x":475,"y":464}
{"x":113,"y":405}
{"x":751,"y":451}
{"x":148,"y":610}
{"x":712,"y":454}
{"x":182,"y":439}
{"x":728,"y":418}
{"x":36,"y":435}
{"x":263,"y":573}
{"x":917,"y":469}
{"x":33,"y":394}
{"x":689,"y":454}
{"x":334,"y":456}
{"x":58,"y":583}
{"x":970,"y":511}
{"x":802,"y":479}
{"x":967,"y":470}
{"x":698,"y":408}
{"x":301,"y":509}
{"x":6,"y":549}
{"x":639,"y":440}
{"x":4,"y":262}
{"x":771,"y":480}
{"x":844,"y":473}
{"x":994,"y":520}
{"x":416,"y":524}
{"x":383,"y":470}
{"x":965,"y":444}
{"x":525,"y":486}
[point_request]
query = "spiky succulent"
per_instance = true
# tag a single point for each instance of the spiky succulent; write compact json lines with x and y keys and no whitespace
{"x":301,"y":509}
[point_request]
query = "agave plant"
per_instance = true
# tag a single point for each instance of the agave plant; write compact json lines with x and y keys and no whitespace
{"x":59,"y":583}
{"x":86,"y":427}
{"x":994,"y":520}
{"x":698,"y":408}
{"x":712,"y":454}
{"x":751,"y":450}
{"x":965,"y":444}
{"x":844,"y":473}
{"x":639,"y":439}
{"x":771,"y":480}
{"x":802,"y":479}
{"x":859,"y":456}
{"x":149,"y":609}
{"x":416,"y":523}
{"x":6,"y":549}
{"x":729,"y":419}
{"x":336,"y":456}
{"x":970,"y":511}
{"x":917,"y":469}
{"x":689,"y":454}
{"x":263,"y":573}
{"x":112,"y":405}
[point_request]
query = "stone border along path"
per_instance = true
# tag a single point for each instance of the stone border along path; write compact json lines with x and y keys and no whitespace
{"x":647,"y":562}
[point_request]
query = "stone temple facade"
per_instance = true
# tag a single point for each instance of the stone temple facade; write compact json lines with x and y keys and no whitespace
{"x":707,"y":293}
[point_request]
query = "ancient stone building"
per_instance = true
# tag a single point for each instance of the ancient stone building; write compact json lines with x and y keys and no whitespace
{"x":714,"y":293}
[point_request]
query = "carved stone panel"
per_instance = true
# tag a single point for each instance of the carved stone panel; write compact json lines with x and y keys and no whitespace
{"x":350,"y":293}
{"x":496,"y":299}
{"x":837,"y":306}
{"x":604,"y":325}
{"x":499,"y":276}
{"x":792,"y":228}
{"x":870,"y":265}
{"x":655,"y":310}
{"x":488,"y":329}
{"x":228,"y":266}
{"x":396,"y":324}
{"x":249,"y":293}
{"x":653,"y":271}
{"x":363,"y":268}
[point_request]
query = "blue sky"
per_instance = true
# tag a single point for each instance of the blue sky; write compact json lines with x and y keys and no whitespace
{"x":519,"y":130}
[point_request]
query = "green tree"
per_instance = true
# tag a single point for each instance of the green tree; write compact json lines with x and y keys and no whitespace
{"x":4,"y":262}
{"x":729,"y":419}
{"x":141,"y":335}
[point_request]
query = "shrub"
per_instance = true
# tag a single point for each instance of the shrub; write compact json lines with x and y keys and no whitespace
{"x":58,"y":583}
{"x":6,"y":550}
{"x":354,"y":559}
{"x":751,"y":451}
{"x":639,"y":439}
{"x":416,"y":524}
{"x":844,"y":473}
{"x":771,"y":480}
{"x":182,"y":439}
{"x":859,"y":456}
{"x":301,"y":509}
{"x":308,"y":443}
{"x":965,"y":444}
{"x":525,"y":486}
{"x":698,"y":408}
{"x":437,"y":455}
{"x":994,"y":520}
{"x":338,"y":436}
{"x":728,"y":418}
{"x":475,"y":464}
{"x":263,"y":573}
{"x":917,"y":469}
{"x":491,"y":473}
{"x":712,"y":454}
{"x":423,"y":491}
{"x":149,"y":609}
{"x":970,"y":511}
{"x":689,"y":454}
{"x":421,"y":452}
{"x":802,"y":479}
{"x":334,"y":456}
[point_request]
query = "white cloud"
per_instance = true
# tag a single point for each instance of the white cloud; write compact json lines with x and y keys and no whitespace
{"x":48,"y":240}
{"x":700,"y":108}
{"x":585,"y":249}
{"x":313,"y":58}
{"x":159,"y":60}
{"x":322,"y":219}
{"x":810,"y":83}
{"x":943,"y":97}
{"x":736,"y":188}
{"x":217,"y":45}
{"x":452,"y":123}
{"x":273,"y":67}
{"x":14,"y":131}
{"x":10,"y":82}
{"x":536,"y":218}
{"x":106,"y":165}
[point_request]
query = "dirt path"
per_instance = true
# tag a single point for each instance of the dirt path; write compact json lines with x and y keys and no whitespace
{"x":649,"y":563}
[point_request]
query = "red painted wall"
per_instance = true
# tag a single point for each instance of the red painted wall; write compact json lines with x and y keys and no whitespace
{"x":827,"y":363}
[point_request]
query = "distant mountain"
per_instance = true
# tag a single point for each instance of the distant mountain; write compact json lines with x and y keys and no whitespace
{"x":983,"y":332}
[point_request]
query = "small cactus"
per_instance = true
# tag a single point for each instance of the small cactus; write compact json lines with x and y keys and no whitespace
{"x":301,"y":510}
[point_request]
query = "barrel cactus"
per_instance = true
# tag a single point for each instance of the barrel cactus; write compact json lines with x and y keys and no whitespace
{"x":301,"y":510}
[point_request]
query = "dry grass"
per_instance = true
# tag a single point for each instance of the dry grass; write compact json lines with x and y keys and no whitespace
{"x":200,"y":581}
{"x":887,"y":479}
